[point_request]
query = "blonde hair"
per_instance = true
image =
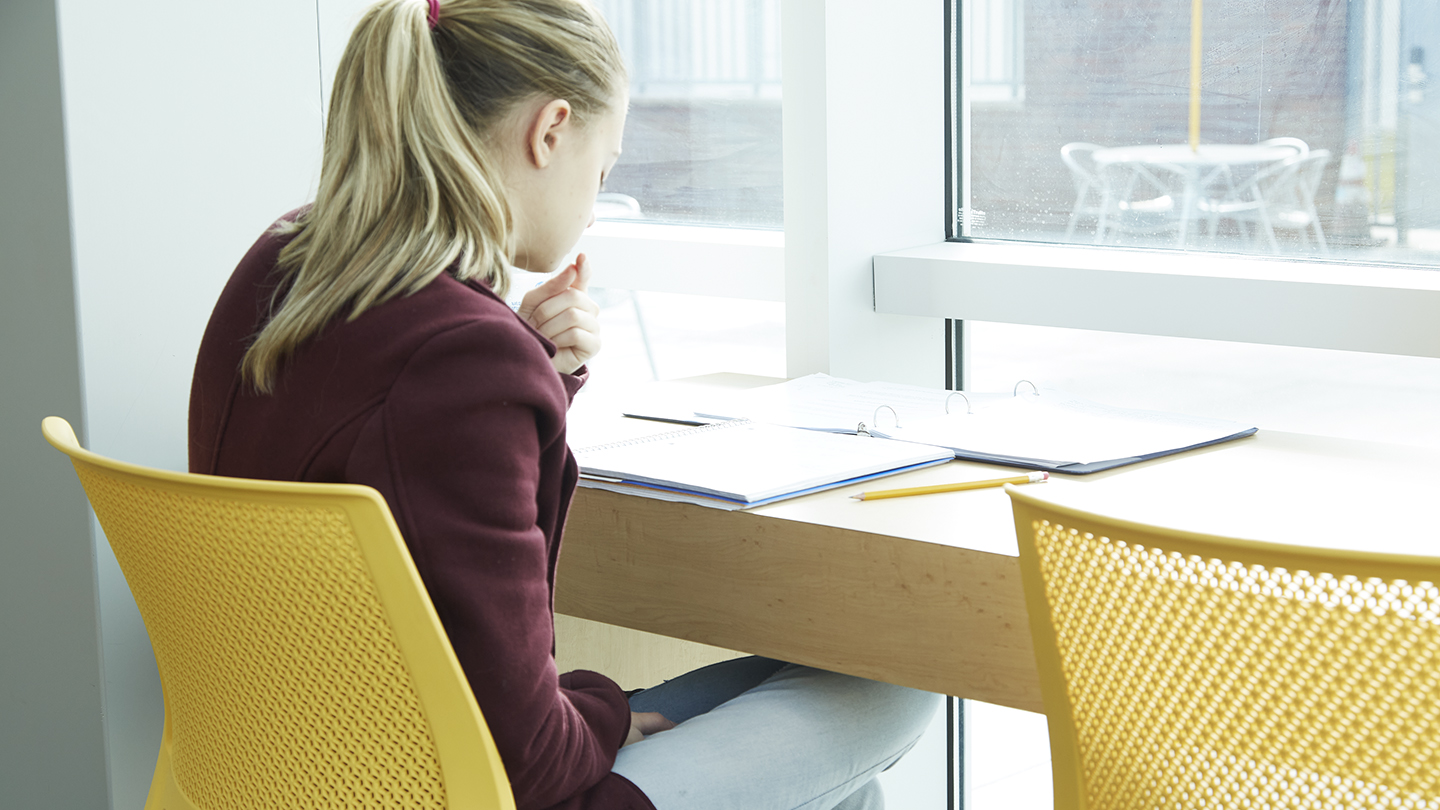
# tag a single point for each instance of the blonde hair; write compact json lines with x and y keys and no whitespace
{"x":408,"y":186}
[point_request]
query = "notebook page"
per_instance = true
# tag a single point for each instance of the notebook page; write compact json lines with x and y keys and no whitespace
{"x":749,"y":461}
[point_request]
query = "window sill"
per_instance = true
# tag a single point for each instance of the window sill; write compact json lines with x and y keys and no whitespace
{"x":1324,"y":305}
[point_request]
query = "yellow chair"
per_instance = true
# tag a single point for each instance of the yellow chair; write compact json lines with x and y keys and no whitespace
{"x":1182,"y":670}
{"x":302,"y":663}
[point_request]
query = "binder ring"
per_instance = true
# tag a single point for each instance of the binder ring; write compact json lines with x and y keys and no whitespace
{"x":960,"y":394}
{"x":876,"y":418}
{"x":1033,"y":390}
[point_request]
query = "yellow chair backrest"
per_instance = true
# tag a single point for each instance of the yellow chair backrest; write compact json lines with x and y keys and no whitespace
{"x":302,"y":663}
{"x":1192,"y":671}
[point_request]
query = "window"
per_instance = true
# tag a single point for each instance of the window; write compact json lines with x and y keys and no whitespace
{"x":697,"y":195}
{"x":702,"y":143}
{"x":1309,"y":120}
{"x":1301,"y":216}
{"x":1309,"y":112}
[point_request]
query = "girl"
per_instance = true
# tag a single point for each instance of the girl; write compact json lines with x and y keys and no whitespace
{"x":365,"y":339}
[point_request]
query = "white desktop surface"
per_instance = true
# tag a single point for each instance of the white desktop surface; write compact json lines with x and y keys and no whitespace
{"x":843,"y":584}
{"x":1274,"y":486}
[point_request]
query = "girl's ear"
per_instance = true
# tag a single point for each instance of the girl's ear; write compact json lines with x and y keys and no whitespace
{"x":548,"y":127}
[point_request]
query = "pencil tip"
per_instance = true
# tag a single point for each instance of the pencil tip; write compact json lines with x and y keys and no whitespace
{"x":859,"y":497}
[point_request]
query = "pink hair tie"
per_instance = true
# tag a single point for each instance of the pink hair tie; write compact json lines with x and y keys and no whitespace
{"x":434,"y":14}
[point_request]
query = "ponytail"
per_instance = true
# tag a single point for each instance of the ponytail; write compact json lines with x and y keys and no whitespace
{"x":408,"y":184}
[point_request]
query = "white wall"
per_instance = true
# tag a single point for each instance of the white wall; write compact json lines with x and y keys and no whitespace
{"x":187,"y":130}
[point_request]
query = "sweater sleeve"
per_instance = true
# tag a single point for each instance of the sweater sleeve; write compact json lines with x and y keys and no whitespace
{"x":458,"y":451}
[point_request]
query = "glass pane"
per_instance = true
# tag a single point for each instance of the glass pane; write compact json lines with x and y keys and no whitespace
{"x":664,"y":336}
{"x":650,"y":336}
{"x":1007,"y":759}
{"x":702,"y":143}
{"x":1312,"y":121}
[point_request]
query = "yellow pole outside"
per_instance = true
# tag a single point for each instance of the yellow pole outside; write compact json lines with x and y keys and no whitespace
{"x":1197,"y":21}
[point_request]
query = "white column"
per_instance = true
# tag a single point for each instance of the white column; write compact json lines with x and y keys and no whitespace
{"x":864,"y":174}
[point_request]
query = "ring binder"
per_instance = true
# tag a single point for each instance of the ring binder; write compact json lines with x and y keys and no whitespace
{"x":862,"y":430}
{"x":1048,"y":430}
{"x":893,"y":412}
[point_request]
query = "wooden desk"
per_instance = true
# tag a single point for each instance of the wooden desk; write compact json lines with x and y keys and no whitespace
{"x":925,"y":591}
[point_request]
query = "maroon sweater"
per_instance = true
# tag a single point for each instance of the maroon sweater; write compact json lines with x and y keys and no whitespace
{"x":445,"y":401}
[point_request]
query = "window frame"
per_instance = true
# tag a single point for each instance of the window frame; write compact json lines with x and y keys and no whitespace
{"x":868,"y":280}
{"x":1329,"y":304}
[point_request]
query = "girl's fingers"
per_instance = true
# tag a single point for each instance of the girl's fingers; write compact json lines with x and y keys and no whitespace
{"x":553,"y":307}
{"x":562,"y":312}
{"x":582,"y":273}
{"x":579,"y":346}
{"x":566,"y":321}
{"x":578,"y":340}
{"x":553,"y":286}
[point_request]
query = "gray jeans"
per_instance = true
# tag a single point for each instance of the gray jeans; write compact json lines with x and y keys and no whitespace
{"x":759,"y":734}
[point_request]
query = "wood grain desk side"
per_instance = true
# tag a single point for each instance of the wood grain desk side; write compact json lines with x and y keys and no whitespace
{"x":934,"y":617}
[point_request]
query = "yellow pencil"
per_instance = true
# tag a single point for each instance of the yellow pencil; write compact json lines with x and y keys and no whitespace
{"x":1032,"y":478}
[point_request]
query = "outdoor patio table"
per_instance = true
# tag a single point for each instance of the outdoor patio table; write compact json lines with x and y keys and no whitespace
{"x":1200,"y":168}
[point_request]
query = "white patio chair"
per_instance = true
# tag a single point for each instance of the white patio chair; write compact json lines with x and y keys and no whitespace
{"x":1124,"y":198}
{"x":1141,"y":202}
{"x":1226,"y":186}
{"x":614,"y":205}
{"x":1301,"y":148}
{"x":1089,"y":192}
{"x":1279,"y":196}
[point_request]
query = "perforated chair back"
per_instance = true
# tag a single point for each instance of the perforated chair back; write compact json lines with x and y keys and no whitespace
{"x":302,"y":663}
{"x":1192,"y":671}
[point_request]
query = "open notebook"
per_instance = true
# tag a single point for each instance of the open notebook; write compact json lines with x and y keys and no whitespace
{"x":1035,"y":429}
{"x":738,"y":464}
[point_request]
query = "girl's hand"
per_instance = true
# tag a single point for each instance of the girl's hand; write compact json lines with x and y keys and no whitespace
{"x":643,"y":724}
{"x":562,"y":311}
